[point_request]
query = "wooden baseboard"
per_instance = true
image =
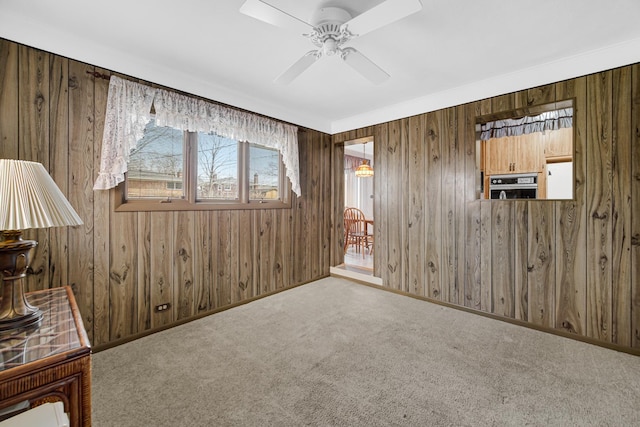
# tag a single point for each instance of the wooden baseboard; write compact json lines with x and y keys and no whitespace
{"x":134,"y":337}
{"x":558,"y":332}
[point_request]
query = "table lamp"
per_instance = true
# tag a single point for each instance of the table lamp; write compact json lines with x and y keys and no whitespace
{"x":29,"y":198}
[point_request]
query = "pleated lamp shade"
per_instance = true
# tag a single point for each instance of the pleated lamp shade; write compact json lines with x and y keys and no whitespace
{"x":29,"y":198}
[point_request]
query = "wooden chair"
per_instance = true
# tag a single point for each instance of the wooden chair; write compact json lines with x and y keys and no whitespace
{"x":355,"y":231}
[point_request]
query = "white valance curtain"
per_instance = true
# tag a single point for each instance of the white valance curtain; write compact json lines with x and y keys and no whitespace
{"x":549,"y":120}
{"x":128,"y":112}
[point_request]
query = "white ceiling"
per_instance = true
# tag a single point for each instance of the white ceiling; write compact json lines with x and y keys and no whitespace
{"x":451,"y":52}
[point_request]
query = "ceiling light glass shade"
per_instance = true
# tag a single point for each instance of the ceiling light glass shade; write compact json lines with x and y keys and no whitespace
{"x":29,"y":198}
{"x":364,"y":170}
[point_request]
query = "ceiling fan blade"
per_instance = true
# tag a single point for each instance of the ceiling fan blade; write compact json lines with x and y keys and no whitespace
{"x":271,"y":15}
{"x":364,"y":66}
{"x":298,"y":67}
{"x":383,"y":14}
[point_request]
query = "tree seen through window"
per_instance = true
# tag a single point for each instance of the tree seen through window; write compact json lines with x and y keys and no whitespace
{"x":157,"y":167}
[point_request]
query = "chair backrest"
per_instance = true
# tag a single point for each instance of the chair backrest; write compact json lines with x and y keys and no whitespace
{"x":354,"y":220}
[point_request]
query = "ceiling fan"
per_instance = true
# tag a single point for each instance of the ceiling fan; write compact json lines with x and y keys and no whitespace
{"x":330,"y":28}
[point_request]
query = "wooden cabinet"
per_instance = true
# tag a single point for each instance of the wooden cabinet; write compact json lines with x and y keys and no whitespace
{"x":499,"y":156}
{"x":51,"y":362}
{"x":514,"y":154}
{"x":558,"y":145}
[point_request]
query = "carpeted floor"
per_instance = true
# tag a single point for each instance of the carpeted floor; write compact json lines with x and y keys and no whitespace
{"x":335,"y":353}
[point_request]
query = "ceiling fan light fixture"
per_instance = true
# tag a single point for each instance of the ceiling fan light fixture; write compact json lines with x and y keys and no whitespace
{"x":330,"y":46}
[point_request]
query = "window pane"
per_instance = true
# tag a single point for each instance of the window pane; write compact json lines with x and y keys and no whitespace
{"x":264,"y":173}
{"x":155,"y":165}
{"x":217,"y":168}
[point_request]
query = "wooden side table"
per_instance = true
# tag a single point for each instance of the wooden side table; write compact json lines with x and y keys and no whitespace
{"x":51,"y":362}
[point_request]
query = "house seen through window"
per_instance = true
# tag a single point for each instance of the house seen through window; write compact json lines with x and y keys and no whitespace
{"x":202,"y":168}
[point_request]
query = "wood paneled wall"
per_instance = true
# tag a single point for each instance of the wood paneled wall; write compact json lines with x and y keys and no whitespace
{"x":567,"y":265}
{"x":121,"y":265}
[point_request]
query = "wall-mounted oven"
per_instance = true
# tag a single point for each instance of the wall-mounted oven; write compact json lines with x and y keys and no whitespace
{"x":514,"y":186}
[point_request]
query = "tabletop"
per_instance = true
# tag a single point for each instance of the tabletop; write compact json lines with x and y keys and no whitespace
{"x":58,"y":332}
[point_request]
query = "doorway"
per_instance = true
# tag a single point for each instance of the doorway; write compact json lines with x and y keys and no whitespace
{"x":359,"y":195}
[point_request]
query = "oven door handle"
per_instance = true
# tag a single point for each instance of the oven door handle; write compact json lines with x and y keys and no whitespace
{"x":512,"y":186}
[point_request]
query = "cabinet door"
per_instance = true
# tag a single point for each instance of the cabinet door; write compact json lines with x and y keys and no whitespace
{"x":559,"y":143}
{"x":500,"y":154}
{"x":515,"y":154}
{"x":529,"y":153}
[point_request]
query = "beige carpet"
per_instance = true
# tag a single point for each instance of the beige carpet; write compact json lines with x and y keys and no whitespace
{"x":335,"y":353}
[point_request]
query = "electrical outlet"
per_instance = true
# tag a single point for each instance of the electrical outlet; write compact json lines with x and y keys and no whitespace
{"x":163,"y":307}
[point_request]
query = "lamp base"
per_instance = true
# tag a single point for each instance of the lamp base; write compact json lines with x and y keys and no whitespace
{"x":15,"y":255}
{"x":25,"y":321}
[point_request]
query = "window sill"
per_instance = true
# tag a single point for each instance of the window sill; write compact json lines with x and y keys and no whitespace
{"x":182,"y":205}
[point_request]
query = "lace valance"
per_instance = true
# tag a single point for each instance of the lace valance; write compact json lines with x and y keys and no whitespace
{"x":549,"y":120}
{"x":351,"y":163}
{"x":128,"y":111}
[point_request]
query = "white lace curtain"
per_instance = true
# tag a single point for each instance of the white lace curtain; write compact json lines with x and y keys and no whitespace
{"x":550,"y":120}
{"x":128,"y":112}
{"x":351,"y":163}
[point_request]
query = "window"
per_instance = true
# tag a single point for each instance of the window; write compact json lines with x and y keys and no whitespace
{"x":156,"y":165}
{"x":526,"y":153}
{"x":173,"y":185}
{"x":263,"y":173}
{"x":218,"y":175}
{"x":174,"y":170}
